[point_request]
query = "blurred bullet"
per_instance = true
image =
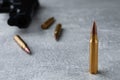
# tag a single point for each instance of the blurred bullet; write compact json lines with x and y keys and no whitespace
{"x":57,"y":31}
{"x":48,"y":23}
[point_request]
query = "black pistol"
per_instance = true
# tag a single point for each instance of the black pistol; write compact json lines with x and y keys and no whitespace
{"x":20,"y":11}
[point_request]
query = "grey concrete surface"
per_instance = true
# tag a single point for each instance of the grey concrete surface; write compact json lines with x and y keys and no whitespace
{"x":67,"y":59}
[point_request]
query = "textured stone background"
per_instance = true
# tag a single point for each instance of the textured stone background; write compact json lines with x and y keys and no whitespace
{"x":67,"y":59}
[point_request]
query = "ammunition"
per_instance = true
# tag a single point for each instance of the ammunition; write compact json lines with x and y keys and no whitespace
{"x":93,"y":67}
{"x":21,"y":43}
{"x":57,"y":31}
{"x":48,"y":23}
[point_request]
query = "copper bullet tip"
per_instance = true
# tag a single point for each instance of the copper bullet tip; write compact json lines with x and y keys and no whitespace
{"x":94,"y":29}
{"x":27,"y":50}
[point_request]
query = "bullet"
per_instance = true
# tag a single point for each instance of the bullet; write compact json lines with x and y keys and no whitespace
{"x":93,"y":67}
{"x":22,"y":44}
{"x":57,"y":31}
{"x":48,"y":23}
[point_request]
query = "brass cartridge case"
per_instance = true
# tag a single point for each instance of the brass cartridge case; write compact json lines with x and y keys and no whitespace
{"x":48,"y":23}
{"x":57,"y":31}
{"x":93,"y":67}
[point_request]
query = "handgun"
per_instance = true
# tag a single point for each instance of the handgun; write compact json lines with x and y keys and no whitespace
{"x":20,"y":11}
